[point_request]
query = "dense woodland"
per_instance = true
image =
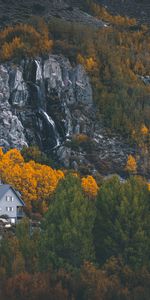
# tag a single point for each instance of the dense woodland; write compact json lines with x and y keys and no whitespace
{"x":93,"y":240}
{"x":93,"y":243}
{"x":94,"y":237}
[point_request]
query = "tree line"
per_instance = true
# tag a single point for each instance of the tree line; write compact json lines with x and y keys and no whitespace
{"x":86,"y":248}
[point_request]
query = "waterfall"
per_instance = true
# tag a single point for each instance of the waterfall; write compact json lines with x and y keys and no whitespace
{"x":38,"y":70}
{"x":52,"y":126}
{"x":47,"y":133}
{"x":49,"y":119}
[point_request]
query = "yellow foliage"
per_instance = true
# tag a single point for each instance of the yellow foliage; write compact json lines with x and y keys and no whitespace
{"x":34,"y":181}
{"x":80,"y":59}
{"x":103,"y":14}
{"x":81,"y":138}
{"x":89,"y":186}
{"x":144,"y":130}
{"x":1,"y":152}
{"x":88,"y":62}
{"x":14,"y":157}
{"x":148,"y":185}
{"x":131,"y":165}
{"x":25,"y":40}
{"x":8,"y":49}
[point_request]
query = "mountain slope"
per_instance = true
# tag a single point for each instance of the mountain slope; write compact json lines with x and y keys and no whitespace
{"x":50,"y":103}
{"x":75,"y":90}
{"x":139,"y":9}
{"x":21,"y":11}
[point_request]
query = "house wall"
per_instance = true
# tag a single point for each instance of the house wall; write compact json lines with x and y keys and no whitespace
{"x":3,"y":204}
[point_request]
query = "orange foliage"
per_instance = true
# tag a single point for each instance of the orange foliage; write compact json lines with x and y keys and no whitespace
{"x":89,"y":186}
{"x":33,"y":180}
{"x":148,"y":185}
{"x":131,"y":165}
{"x":25,"y":40}
{"x":1,"y":153}
{"x":8,"y":49}
{"x":88,"y":62}
{"x":80,"y":138}
{"x":144,"y":130}
{"x":103,"y":14}
{"x":34,"y":286}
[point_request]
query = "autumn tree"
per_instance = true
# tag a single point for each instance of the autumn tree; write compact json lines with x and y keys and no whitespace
{"x":144,"y":130}
{"x":34,"y":181}
{"x":132,"y":283}
{"x":95,"y":284}
{"x":148,"y":185}
{"x":88,"y":62}
{"x":131,"y":165}
{"x":90,"y":186}
{"x":34,"y":287}
{"x":23,"y":39}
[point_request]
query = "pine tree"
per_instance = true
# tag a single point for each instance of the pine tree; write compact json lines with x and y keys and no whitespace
{"x":122,"y":221}
{"x":67,"y":230}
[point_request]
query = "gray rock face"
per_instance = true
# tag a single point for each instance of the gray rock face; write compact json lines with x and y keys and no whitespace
{"x":49,"y":102}
{"x":11,"y":129}
{"x":18,"y":88}
{"x":36,"y":99}
{"x":4,"y":85}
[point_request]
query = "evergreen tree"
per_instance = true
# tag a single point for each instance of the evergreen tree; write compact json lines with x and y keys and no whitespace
{"x":122,"y":221}
{"x":68,"y":225}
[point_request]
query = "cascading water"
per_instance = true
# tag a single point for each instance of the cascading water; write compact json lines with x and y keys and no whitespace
{"x":49,"y":135}
{"x":51,"y":125}
{"x":38,"y":70}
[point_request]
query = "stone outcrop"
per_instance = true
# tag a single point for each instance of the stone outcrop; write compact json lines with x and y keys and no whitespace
{"x":11,"y":129}
{"x":49,"y":102}
{"x":37,"y":97}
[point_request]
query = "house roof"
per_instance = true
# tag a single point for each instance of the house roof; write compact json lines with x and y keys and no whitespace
{"x":5,"y":187}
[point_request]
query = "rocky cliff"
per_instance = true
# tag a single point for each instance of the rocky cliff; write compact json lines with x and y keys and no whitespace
{"x":49,"y":102}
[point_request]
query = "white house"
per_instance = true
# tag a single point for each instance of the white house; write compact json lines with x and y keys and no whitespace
{"x":11,"y":203}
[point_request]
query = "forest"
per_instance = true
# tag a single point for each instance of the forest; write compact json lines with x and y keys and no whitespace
{"x":87,"y":247}
{"x":93,"y":241}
